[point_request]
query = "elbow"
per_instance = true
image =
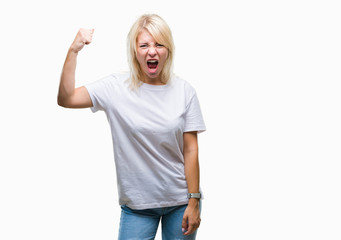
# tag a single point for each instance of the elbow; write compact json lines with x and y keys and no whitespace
{"x":61,"y":101}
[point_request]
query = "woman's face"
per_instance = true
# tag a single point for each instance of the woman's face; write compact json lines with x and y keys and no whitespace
{"x":151,"y":56}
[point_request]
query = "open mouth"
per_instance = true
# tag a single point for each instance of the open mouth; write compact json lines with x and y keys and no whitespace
{"x":152,"y":64}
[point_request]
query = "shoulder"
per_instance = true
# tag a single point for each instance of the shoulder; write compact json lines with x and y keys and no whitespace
{"x":120,"y":75}
{"x":110,"y":82}
{"x":185,"y":85}
{"x":118,"y":78}
{"x":113,"y":79}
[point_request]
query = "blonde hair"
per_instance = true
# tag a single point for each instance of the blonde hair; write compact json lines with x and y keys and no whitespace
{"x":160,"y":31}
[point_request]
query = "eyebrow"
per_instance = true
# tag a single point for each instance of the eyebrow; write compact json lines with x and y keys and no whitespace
{"x":147,"y":43}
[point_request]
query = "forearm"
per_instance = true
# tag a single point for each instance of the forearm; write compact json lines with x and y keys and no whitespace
{"x":191,"y":218}
{"x":192,"y":173}
{"x":67,"y":79}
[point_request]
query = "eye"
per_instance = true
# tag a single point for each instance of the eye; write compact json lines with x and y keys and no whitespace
{"x":159,"y":45}
{"x":143,"y":45}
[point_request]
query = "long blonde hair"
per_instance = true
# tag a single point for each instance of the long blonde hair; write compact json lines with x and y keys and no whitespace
{"x":161,"y":32}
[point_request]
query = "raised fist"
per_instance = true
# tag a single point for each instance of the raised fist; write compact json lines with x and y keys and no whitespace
{"x":84,"y":36}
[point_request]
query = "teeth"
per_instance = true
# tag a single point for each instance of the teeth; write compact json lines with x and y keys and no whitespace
{"x":152,"y":61}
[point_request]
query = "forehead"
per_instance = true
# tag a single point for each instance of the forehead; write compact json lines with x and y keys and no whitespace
{"x":145,"y":36}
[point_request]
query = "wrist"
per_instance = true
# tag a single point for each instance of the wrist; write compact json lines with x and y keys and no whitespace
{"x":193,"y":202}
{"x":194,"y":195}
{"x":72,"y":50}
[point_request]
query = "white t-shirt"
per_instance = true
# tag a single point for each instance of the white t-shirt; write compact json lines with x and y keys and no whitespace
{"x":147,"y":132}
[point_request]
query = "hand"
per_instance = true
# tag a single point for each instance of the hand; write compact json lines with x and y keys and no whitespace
{"x":84,"y":36}
{"x":191,"y":219}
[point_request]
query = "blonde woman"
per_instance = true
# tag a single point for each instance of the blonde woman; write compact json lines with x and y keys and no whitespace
{"x":154,"y":118}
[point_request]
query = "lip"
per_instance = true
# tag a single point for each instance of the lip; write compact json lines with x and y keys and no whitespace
{"x":152,"y":59}
{"x":152,"y":70}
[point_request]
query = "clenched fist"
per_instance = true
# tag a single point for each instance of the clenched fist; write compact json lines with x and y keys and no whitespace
{"x":84,"y":36}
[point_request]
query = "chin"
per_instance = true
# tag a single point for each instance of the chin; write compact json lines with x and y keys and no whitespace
{"x":153,"y":75}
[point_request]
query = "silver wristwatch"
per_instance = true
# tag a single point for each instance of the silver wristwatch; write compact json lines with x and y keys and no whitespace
{"x":194,"y":195}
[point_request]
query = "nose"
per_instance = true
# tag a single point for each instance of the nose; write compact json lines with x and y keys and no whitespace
{"x":152,"y":51}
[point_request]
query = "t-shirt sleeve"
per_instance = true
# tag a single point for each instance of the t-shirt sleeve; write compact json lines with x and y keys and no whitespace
{"x":193,"y":117}
{"x":98,"y":92}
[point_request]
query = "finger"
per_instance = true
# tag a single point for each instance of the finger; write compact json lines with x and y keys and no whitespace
{"x":190,"y":230}
{"x":87,"y":32}
{"x":88,"y":38}
{"x":184,"y":222}
{"x":192,"y":227}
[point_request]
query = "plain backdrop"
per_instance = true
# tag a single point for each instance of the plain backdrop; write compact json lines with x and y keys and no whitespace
{"x":267,"y":74}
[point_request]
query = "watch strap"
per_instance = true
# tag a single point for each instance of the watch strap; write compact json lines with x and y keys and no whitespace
{"x":194,"y":195}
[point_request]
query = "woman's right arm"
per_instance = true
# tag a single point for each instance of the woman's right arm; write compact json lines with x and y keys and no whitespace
{"x":68,"y":95}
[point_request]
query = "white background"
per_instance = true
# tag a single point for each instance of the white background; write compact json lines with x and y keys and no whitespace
{"x":267,"y":74}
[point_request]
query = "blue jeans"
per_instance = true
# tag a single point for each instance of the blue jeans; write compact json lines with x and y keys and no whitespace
{"x":143,"y":224}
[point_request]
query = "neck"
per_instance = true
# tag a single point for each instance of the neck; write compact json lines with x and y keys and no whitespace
{"x":153,"y":81}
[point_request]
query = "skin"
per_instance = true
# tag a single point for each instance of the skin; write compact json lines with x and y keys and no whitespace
{"x":68,"y":95}
{"x":191,"y":219}
{"x":147,"y":48}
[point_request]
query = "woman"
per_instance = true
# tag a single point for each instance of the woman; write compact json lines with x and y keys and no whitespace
{"x":154,"y":118}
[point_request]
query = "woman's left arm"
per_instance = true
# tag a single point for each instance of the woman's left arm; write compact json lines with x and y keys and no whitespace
{"x":191,"y":218}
